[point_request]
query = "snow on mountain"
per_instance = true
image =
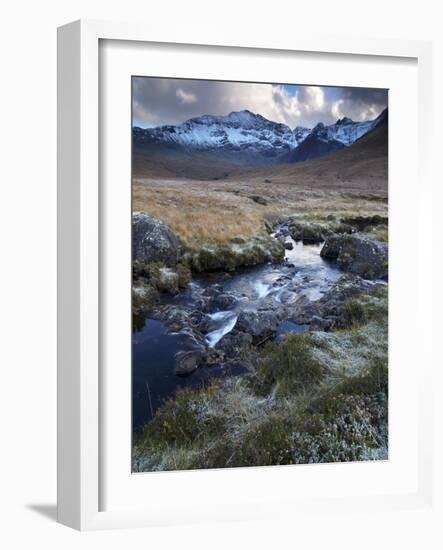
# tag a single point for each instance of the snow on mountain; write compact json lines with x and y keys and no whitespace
{"x":345,"y":131}
{"x":301,"y":133}
{"x":241,"y":131}
{"x":244,"y":131}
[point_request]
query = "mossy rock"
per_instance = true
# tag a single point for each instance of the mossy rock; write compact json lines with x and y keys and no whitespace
{"x":184,"y":275}
{"x":365,"y":223}
{"x":167,"y":279}
{"x":358,"y":254}
{"x":144,"y":297}
{"x":308,"y":233}
{"x":239,"y":252}
{"x":164,"y":279}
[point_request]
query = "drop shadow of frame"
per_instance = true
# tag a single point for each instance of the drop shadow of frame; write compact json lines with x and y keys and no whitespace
{"x":48,"y":511}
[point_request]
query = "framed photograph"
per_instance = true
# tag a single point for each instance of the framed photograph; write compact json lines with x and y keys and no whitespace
{"x":233,"y":273}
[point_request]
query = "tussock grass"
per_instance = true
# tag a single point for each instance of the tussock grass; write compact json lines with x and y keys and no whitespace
{"x":354,"y":313}
{"x":288,"y":367}
{"x":364,"y":308}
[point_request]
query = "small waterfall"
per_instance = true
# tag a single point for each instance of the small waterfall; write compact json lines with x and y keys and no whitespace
{"x":219,"y":315}
{"x":262,"y":289}
{"x":225,"y":322}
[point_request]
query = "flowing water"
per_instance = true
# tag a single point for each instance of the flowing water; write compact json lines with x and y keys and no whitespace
{"x":303,"y":273}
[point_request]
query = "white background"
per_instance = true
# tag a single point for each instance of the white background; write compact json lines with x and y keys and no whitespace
{"x":181,"y":491}
{"x":28,"y":274}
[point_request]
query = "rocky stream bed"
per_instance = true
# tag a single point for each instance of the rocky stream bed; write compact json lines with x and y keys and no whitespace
{"x":204,"y":315}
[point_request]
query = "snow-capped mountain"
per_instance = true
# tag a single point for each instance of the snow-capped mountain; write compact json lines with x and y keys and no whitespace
{"x":301,"y":133}
{"x":345,"y":130}
{"x":324,"y":140}
{"x":250,"y":133}
{"x":238,"y":131}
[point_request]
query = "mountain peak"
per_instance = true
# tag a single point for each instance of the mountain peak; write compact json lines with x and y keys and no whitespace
{"x":344,"y":120}
{"x":244,"y":112}
{"x":244,"y":117}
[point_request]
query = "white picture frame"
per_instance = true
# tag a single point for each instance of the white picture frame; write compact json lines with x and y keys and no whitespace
{"x":80,"y":436}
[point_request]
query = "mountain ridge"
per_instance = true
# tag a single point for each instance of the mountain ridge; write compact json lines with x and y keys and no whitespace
{"x":244,"y":131}
{"x":205,"y":146}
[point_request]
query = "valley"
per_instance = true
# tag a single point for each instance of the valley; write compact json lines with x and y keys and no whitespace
{"x":260,"y":290}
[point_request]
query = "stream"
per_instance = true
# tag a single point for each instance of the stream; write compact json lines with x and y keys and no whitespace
{"x":304,"y":273}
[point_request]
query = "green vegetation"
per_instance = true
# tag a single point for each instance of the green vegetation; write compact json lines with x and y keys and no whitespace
{"x":354,"y":313}
{"x":167,"y":279}
{"x":380,"y":233}
{"x":290,"y":366}
{"x":319,"y":397}
{"x":184,"y":275}
{"x":149,"y":281}
{"x":359,"y":311}
{"x":144,"y":296}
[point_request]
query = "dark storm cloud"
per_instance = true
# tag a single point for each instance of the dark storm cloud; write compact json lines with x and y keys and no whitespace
{"x":158,"y":101}
{"x":363,"y":95}
{"x":359,"y":103}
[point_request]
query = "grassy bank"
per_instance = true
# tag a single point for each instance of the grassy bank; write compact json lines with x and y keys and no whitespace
{"x":317,"y":397}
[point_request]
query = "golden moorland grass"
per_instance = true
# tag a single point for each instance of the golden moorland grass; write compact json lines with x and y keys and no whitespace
{"x":197,"y":215}
{"x":216,"y":212}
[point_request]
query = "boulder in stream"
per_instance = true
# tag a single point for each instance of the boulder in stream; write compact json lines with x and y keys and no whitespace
{"x":187,"y":361}
{"x":235,"y":345}
{"x":261,"y":325}
{"x":358,"y":254}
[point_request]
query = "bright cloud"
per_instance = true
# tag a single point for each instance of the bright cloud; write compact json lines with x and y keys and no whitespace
{"x":336,"y":109}
{"x":315,"y":97}
{"x":185,"y":97}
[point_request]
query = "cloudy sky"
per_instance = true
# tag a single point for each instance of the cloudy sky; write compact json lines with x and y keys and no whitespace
{"x":158,"y":101}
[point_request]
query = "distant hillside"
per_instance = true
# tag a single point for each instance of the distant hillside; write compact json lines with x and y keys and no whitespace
{"x":168,"y":161}
{"x":365,"y":163}
{"x":211,"y":147}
